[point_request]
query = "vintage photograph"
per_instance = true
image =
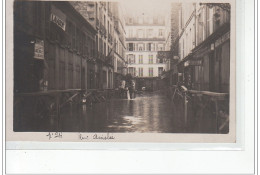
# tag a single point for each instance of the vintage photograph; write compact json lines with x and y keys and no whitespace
{"x":121,"y":66}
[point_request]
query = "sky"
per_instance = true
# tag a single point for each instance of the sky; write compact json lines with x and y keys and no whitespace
{"x":145,"y":6}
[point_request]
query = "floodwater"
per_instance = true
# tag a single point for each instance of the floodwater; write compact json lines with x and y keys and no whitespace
{"x":147,"y":113}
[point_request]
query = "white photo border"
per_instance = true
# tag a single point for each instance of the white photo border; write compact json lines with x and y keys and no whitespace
{"x":116,"y":161}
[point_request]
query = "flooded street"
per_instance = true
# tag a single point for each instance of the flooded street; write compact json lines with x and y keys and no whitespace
{"x":150,"y":112}
{"x":147,"y":113}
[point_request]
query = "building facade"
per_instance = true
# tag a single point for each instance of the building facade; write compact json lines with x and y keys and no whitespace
{"x":145,"y":36}
{"x":99,"y":15}
{"x":52,"y":43}
{"x":204,"y":46}
{"x":109,"y":66}
{"x":120,"y":65}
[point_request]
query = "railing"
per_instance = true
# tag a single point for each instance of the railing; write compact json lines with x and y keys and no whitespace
{"x":43,"y":105}
{"x":208,"y":111}
{"x":38,"y":109}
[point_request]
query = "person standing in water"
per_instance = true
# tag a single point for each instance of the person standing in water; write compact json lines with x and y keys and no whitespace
{"x":132,"y":89}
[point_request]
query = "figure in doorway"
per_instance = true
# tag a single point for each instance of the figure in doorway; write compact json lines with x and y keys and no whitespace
{"x":132,"y":89}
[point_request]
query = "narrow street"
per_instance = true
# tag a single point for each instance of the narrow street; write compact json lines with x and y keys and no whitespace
{"x":147,"y":113}
{"x":70,"y":68}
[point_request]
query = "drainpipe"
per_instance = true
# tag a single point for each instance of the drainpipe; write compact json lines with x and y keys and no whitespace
{"x":195,"y":26}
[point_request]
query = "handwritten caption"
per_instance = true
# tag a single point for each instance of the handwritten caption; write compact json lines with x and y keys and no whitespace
{"x":107,"y":136}
{"x":54,"y":135}
{"x":84,"y":136}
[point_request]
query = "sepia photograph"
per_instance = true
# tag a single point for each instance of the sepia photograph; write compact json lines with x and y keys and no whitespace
{"x":122,"y":67}
{"x":130,"y":86}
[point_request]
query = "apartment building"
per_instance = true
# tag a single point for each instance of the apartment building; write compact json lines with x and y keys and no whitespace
{"x":145,"y":36}
{"x":120,"y":67}
{"x":204,"y":46}
{"x":52,"y":43}
{"x":100,"y":67}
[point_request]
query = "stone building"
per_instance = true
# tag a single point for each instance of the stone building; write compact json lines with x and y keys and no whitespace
{"x":52,"y":43}
{"x":204,"y":46}
{"x":146,"y":34}
{"x":100,"y":68}
{"x":120,"y":66}
{"x":108,"y":66}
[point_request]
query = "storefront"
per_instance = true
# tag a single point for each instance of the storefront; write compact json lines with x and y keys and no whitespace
{"x":208,"y":67}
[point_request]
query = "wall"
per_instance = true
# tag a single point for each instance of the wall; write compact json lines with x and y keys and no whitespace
{"x":66,"y":50}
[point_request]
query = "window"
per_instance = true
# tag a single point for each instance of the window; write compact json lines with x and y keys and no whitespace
{"x":160,"y":71}
{"x":160,"y":47}
{"x":108,"y":27}
{"x":140,"y":47}
{"x":62,"y":75}
{"x":131,"y":47}
{"x":131,"y":59}
{"x":105,"y":49}
{"x":160,"y":60}
{"x":140,"y":72}
{"x":84,"y":44}
{"x":131,"y":70}
{"x":140,"y":20}
{"x":149,"y":46}
{"x":150,"y":59}
{"x":104,"y":78}
{"x":78,"y":36}
{"x":130,"y":20}
{"x":150,"y":20}
{"x":108,"y":50}
{"x":130,"y":33}
{"x":77,"y":76}
{"x":100,"y":45}
{"x":160,"y":32}
{"x":73,"y":37}
{"x":80,"y":41}
{"x":70,"y":72}
{"x":161,"y":20}
{"x":140,"y":33}
{"x":155,"y":20}
{"x":140,"y":59}
{"x":150,"y":72}
{"x":150,"y":33}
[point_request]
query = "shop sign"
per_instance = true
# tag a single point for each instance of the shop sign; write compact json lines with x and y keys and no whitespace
{"x":222,"y":39}
{"x":164,"y":54}
{"x":58,"y":21}
{"x":39,"y":49}
{"x":193,"y":63}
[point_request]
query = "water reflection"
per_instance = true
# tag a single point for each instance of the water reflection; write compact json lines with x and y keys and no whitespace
{"x":150,"y":113}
